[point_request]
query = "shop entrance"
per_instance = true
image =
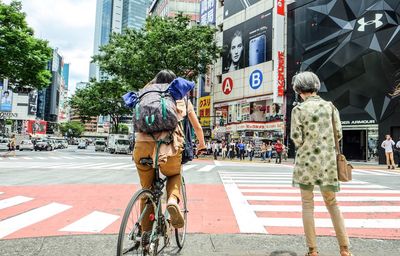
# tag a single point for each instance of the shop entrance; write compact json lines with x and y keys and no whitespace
{"x":355,"y":145}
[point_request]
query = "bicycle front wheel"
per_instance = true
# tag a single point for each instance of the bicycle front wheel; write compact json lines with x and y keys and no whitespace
{"x":131,"y":238}
{"x":180,"y":233}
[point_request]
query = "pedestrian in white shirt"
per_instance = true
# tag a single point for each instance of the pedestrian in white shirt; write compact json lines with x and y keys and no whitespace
{"x":398,"y":153}
{"x":388,"y":145}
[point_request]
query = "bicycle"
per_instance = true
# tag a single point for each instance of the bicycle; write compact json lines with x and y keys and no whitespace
{"x":131,"y":239}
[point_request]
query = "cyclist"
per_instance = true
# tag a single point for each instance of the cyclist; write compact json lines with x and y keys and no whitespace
{"x":169,"y":155}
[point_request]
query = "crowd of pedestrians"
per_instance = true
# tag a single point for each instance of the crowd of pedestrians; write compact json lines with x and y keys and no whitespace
{"x":240,"y":149}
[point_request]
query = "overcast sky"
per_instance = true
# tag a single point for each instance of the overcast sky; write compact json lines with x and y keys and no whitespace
{"x":69,"y":26}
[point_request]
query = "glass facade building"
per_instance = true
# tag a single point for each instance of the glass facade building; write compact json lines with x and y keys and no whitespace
{"x":106,"y":21}
{"x":134,"y":13}
{"x":354,"y":48}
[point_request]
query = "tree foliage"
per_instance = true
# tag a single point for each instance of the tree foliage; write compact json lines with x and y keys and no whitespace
{"x":136,"y":56}
{"x":123,"y":129}
{"x":72,"y":129}
{"x":101,"y":98}
{"x":23,"y":57}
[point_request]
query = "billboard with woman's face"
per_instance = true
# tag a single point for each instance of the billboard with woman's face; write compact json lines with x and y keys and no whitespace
{"x":6,"y":100}
{"x":248,"y":44}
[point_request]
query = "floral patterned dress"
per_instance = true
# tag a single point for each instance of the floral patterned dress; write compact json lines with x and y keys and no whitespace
{"x":312,"y":134}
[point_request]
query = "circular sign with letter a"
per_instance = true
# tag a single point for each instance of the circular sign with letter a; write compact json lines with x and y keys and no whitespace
{"x":227,"y":85}
{"x":256,"y":79}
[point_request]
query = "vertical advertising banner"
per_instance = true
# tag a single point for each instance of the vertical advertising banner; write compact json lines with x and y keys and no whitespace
{"x":232,"y":7}
{"x":207,"y":12}
{"x":248,"y":44}
{"x":6,"y":100}
{"x":279,"y":55}
{"x":204,"y":110}
{"x":32,"y":103}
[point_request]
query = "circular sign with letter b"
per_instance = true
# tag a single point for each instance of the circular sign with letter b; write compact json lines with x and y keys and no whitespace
{"x":256,"y":78}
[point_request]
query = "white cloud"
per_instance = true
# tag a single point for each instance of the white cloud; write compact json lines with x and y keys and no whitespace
{"x":69,"y":26}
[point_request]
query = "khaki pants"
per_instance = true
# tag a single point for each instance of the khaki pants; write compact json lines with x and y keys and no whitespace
{"x":171,"y":169}
{"x":307,"y":197}
{"x":389,"y":158}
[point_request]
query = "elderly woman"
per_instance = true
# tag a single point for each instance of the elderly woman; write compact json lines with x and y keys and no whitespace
{"x":312,"y":133}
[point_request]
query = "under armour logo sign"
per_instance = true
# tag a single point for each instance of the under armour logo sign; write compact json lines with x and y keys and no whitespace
{"x":377,"y":21}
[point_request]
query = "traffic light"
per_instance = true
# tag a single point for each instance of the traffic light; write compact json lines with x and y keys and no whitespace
{"x":221,"y":121}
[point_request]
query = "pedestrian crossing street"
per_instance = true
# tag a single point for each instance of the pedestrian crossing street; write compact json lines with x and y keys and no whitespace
{"x":266,"y":202}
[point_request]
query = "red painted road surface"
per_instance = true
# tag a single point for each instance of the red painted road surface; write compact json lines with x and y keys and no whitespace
{"x":210,"y":210}
{"x":209,"y":206}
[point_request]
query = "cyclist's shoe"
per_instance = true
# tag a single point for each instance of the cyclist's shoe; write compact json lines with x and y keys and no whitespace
{"x":177,"y":220}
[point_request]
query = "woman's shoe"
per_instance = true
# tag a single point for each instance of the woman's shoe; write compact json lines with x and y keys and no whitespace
{"x":344,"y":251}
{"x":312,"y":252}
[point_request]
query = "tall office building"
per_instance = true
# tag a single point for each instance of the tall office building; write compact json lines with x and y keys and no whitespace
{"x":169,"y":8}
{"x":113,"y":16}
{"x":108,"y":20}
{"x":134,"y":13}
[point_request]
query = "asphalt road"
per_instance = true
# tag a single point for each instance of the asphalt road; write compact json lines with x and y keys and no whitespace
{"x":235,"y":208}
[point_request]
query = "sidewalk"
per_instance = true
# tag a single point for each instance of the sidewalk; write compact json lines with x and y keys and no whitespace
{"x":197,"y":244}
{"x":290,"y":161}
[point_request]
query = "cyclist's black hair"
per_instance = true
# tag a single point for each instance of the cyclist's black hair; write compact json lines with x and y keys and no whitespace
{"x":165,"y":76}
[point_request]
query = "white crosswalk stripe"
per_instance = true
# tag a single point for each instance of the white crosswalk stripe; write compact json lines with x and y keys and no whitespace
{"x":375,"y":172}
{"x":188,"y":167}
{"x":327,"y":223}
{"x":206,"y":168}
{"x":72,"y":165}
{"x":123,"y":166}
{"x":94,"y":222}
{"x":13,"y":224}
{"x":16,"y":200}
{"x":266,"y":202}
{"x":297,"y":208}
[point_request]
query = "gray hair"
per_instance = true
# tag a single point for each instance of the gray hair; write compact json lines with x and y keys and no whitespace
{"x":306,"y":82}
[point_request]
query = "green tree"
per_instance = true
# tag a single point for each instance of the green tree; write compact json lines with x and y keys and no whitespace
{"x":124,"y":129}
{"x":101,"y":98}
{"x":23,"y":57}
{"x":136,"y":56}
{"x":72,"y":129}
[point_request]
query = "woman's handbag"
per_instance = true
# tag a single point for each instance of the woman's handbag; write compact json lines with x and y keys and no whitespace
{"x":344,"y":169}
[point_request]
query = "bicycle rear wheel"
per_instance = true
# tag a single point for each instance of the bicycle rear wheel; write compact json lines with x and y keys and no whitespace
{"x":130,"y":237}
{"x":180,"y":233}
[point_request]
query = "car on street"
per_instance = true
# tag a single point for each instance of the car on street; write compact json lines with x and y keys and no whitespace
{"x":59,"y":144}
{"x":26,"y":145}
{"x":64,"y":143}
{"x":4,"y":144}
{"x":99,"y":145}
{"x":44,"y":145}
{"x":82,"y":145}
